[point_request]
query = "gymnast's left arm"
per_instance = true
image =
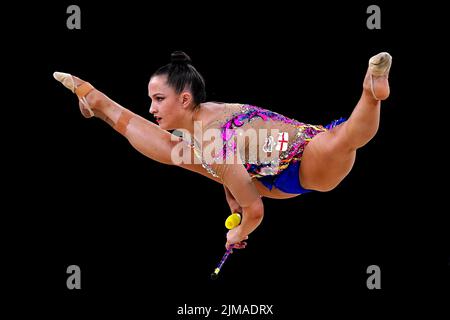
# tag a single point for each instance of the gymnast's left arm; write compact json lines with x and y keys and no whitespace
{"x":252,"y":216}
{"x":236,"y":178}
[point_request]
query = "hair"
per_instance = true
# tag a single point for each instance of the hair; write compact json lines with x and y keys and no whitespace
{"x":182,"y":75}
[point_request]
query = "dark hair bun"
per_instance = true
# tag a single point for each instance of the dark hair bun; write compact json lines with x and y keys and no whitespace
{"x":180,"y":57}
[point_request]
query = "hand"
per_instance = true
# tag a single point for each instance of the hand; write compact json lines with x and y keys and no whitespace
{"x":236,"y":239}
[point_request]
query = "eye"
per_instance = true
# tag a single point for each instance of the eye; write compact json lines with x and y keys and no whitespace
{"x":159,"y":99}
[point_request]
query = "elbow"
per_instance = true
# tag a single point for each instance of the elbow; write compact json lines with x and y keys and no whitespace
{"x":256,"y":210}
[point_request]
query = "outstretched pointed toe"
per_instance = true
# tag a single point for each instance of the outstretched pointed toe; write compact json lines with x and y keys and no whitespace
{"x":66,"y":79}
{"x":81,"y":91}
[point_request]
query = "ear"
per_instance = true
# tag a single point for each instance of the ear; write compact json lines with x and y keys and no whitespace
{"x":186,"y":99}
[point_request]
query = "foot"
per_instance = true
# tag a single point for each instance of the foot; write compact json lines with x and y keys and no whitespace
{"x":84,"y":90}
{"x":376,"y":81}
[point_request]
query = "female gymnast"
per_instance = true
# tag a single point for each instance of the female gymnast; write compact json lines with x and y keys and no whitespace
{"x":255,"y":152}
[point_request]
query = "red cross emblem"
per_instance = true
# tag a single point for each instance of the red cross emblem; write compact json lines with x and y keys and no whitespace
{"x":283,"y":139}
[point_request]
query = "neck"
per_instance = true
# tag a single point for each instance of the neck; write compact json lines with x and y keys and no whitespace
{"x":196,"y":115}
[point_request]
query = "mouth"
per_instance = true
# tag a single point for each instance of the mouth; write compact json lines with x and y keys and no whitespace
{"x":158,"y":119}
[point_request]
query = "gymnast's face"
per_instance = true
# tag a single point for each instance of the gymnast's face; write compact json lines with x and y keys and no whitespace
{"x":168,"y":107}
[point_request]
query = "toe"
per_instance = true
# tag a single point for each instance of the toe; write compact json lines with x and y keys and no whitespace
{"x":66,"y":79}
{"x":380,"y":64}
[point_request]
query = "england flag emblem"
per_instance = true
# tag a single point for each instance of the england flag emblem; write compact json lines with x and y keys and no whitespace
{"x":282,"y":143}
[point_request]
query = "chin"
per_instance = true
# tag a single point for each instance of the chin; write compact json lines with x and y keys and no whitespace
{"x":165,"y":127}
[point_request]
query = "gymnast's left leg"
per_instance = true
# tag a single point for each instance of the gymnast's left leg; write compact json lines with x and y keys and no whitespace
{"x":329,"y":156}
{"x":143,"y":135}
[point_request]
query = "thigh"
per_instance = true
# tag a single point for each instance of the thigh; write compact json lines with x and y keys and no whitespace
{"x":326,"y":160}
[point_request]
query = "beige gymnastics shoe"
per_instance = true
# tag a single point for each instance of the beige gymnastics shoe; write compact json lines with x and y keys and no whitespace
{"x":379,"y":67}
{"x":81,"y":91}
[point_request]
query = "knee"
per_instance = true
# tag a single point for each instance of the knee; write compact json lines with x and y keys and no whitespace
{"x":167,"y":162}
{"x":163,"y":160}
{"x":165,"y":155}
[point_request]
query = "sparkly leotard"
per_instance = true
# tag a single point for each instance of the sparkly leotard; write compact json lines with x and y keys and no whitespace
{"x":270,"y":141}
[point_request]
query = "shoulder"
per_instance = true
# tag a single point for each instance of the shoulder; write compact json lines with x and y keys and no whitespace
{"x":221,"y":113}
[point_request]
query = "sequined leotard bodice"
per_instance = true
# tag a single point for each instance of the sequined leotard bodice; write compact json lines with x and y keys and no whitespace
{"x":265,"y":141}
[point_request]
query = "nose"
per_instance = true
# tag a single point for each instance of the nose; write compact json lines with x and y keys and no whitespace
{"x":152,"y":108}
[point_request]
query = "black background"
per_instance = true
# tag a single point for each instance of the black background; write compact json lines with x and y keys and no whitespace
{"x":147,"y":236}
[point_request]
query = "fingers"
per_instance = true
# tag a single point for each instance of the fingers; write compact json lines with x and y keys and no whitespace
{"x":239,"y":245}
{"x":235,"y":209}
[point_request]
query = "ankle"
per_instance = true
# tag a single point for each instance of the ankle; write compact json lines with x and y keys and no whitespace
{"x":367,"y":94}
{"x":376,"y":88}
